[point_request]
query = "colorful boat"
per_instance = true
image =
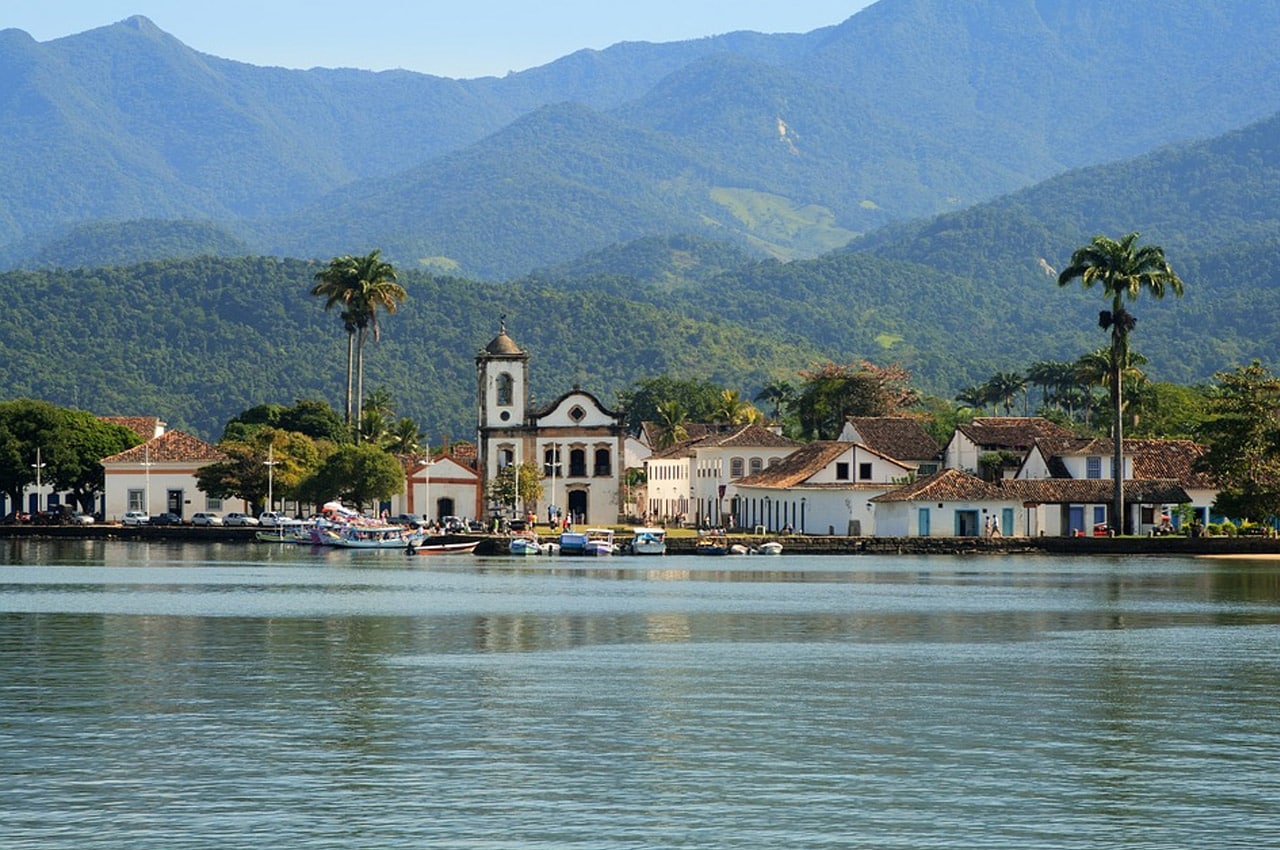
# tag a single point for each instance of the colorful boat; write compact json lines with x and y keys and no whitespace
{"x":373,"y":537}
{"x":711,"y":543}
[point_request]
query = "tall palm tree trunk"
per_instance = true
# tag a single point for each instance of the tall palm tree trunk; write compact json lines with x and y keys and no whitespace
{"x":1119,"y":521}
{"x":359,"y":383}
{"x":351,"y":354}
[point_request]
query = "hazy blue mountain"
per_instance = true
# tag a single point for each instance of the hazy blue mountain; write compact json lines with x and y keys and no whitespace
{"x":791,"y":144}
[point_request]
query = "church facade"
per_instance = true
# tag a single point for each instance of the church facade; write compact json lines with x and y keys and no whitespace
{"x":577,"y":443}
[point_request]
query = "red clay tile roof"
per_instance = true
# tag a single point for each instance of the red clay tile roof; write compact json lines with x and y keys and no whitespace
{"x":801,"y":464}
{"x":895,"y":436}
{"x":738,"y":436}
{"x":171,"y":447}
{"x":145,"y":427}
{"x":1169,"y":459}
{"x":947,"y":485}
{"x":1093,"y":491}
{"x":1011,"y":432}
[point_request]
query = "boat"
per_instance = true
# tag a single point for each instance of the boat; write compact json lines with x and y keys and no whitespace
{"x":443,"y":544}
{"x":648,"y":541}
{"x":599,"y":542}
{"x":773,"y":547}
{"x":373,"y":537}
{"x":739,"y":549}
{"x":525,"y":543}
{"x":711,"y":543}
{"x":573,"y":543}
{"x":282,"y":534}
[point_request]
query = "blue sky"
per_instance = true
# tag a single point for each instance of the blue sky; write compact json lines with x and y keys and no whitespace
{"x":449,"y":38}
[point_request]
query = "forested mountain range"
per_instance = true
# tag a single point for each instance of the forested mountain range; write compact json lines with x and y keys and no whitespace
{"x":790,"y":145}
{"x":954,"y":298}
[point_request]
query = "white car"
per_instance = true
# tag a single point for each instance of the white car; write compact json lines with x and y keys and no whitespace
{"x":206,"y":518}
{"x":135,"y":518}
{"x":236,"y":518}
{"x":82,"y":519}
{"x":276,"y":519}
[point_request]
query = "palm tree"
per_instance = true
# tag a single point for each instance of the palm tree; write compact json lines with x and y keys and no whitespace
{"x":779,"y":393}
{"x":362,"y":286}
{"x":976,"y":396}
{"x":1002,"y":387}
{"x":1124,"y":270}
{"x":672,"y":419}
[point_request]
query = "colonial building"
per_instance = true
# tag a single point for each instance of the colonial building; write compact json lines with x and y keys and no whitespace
{"x":949,"y":503}
{"x":577,"y":442}
{"x":690,"y":480}
{"x":898,"y":437}
{"x":819,"y":488}
{"x":1006,"y":439}
{"x":159,"y":476}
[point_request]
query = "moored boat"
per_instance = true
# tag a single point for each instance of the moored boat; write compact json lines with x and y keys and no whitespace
{"x":648,"y":541}
{"x":711,"y":543}
{"x":443,"y":544}
{"x":372,"y":537}
{"x":599,"y":542}
{"x":773,"y":547}
{"x":573,"y":543}
{"x":525,"y":543}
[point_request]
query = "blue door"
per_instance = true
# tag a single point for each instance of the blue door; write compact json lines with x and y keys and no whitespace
{"x":1075,"y":519}
{"x":923,"y":522}
{"x":1006,"y":522}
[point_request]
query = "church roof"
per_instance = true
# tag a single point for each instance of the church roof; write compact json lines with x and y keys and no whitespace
{"x":503,"y":344}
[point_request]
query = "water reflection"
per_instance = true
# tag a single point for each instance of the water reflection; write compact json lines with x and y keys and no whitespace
{"x":192,"y":696}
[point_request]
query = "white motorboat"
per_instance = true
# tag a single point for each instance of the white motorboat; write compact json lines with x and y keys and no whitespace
{"x":599,"y":542}
{"x":648,"y":541}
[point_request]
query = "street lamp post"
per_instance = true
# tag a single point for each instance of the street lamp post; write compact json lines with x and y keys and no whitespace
{"x":146,"y":479}
{"x":37,"y":466}
{"x":270,"y":464}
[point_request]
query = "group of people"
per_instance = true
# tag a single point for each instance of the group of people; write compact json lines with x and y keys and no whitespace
{"x":993,"y":526}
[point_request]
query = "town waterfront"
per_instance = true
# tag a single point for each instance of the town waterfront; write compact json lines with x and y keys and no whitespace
{"x":191,"y":695}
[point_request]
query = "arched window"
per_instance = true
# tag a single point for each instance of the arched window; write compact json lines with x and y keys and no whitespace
{"x":735,"y":467}
{"x":756,"y":465}
{"x":604,"y":463}
{"x":506,"y":389}
{"x":577,"y":463}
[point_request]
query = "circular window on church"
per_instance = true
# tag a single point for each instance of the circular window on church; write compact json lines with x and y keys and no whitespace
{"x":505,"y":415}
{"x":577,"y":414}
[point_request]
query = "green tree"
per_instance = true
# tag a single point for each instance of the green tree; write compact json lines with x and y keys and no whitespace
{"x":69,"y":443}
{"x":360,"y":475}
{"x":831,"y":393}
{"x":245,"y":473}
{"x":779,"y":393}
{"x":671,"y":418}
{"x":697,"y":398}
{"x":1243,"y":437}
{"x":1003,"y":388}
{"x":362,"y":286}
{"x":517,"y":485}
{"x":1124,"y":270}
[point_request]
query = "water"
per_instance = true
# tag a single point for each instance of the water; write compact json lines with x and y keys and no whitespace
{"x":232,"y":696}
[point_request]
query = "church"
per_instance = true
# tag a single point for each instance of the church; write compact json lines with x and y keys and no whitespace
{"x":578,"y":443}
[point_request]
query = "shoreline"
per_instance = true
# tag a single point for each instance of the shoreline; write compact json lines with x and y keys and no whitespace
{"x":795,"y":544}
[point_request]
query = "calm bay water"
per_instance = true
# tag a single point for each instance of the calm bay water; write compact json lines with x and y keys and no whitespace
{"x":195,"y":696}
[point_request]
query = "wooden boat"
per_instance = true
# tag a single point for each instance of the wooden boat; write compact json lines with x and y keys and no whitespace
{"x":599,"y":542}
{"x":648,"y":541}
{"x":372,"y":537}
{"x":711,"y":543}
{"x":443,"y":544}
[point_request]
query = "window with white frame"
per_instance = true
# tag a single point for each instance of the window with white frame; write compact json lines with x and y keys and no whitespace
{"x":137,"y":500}
{"x":1093,"y":467}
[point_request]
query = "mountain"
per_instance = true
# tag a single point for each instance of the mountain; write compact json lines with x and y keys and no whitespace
{"x":954,"y":298}
{"x":792,"y":145}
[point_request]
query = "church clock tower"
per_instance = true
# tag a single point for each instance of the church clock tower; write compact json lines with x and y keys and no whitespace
{"x":502,"y":404}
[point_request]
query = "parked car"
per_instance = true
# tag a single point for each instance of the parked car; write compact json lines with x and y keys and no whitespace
{"x":166,"y":519}
{"x":407,"y":519}
{"x":273,"y":519}
{"x":237,"y":518}
{"x":206,"y":518}
{"x":135,"y":518}
{"x":16,"y":517}
{"x":82,"y":519}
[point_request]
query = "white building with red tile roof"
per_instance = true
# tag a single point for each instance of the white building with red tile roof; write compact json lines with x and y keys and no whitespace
{"x":159,"y":476}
